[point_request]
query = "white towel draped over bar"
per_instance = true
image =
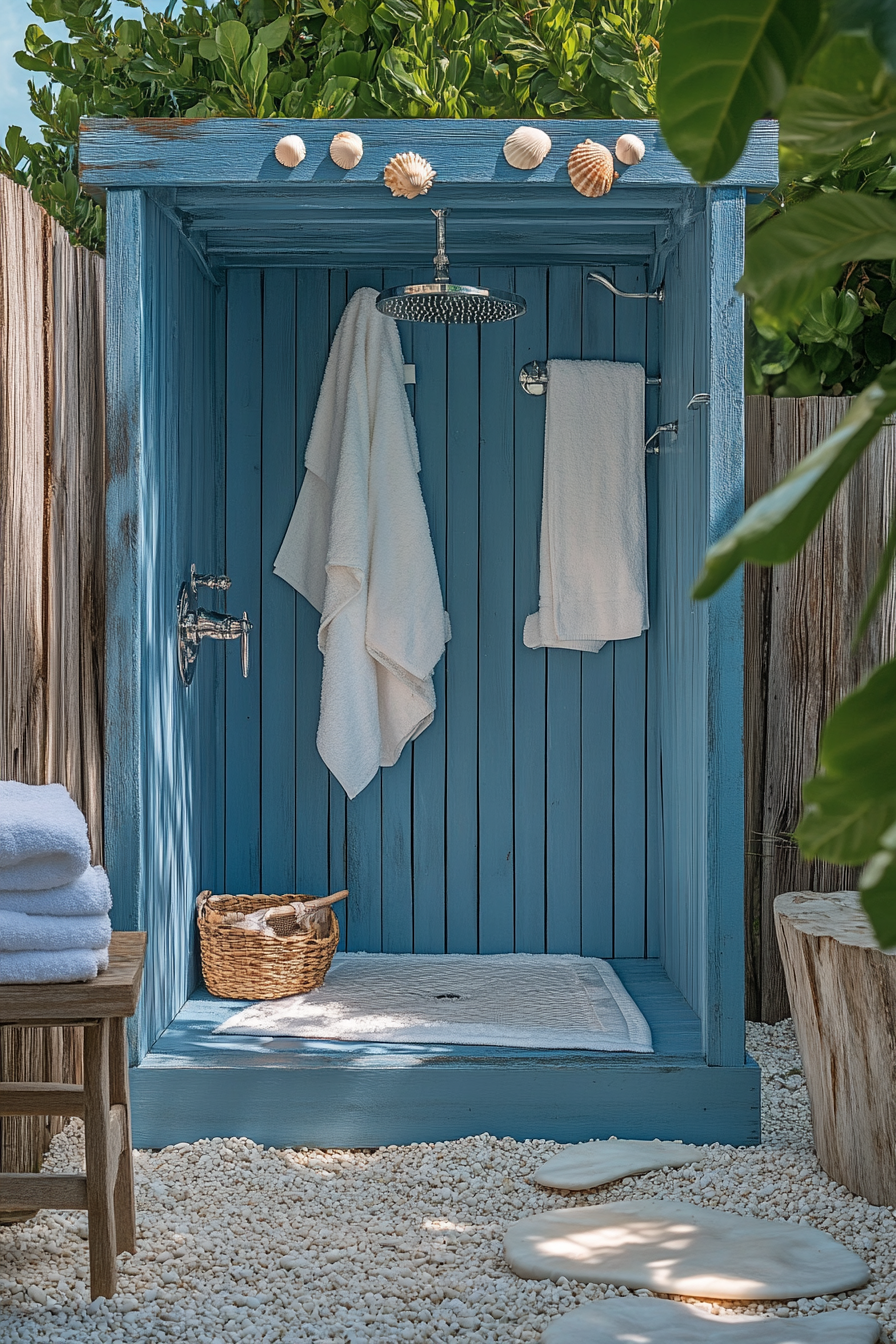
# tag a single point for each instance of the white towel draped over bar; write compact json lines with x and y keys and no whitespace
{"x":593,"y":548}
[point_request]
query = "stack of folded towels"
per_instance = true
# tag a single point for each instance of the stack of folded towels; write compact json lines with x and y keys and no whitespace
{"x":54,"y":907}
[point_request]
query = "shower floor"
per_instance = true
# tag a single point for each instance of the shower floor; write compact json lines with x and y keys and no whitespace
{"x":282,"y":1091}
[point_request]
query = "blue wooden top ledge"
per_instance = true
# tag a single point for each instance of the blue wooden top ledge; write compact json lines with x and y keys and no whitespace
{"x":163,"y":152}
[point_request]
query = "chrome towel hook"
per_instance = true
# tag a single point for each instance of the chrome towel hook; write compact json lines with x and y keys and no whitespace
{"x":670,"y":428}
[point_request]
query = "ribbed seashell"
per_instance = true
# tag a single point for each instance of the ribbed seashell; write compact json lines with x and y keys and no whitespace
{"x":591,"y":169}
{"x":409,"y":175}
{"x":346,"y":149}
{"x":290,"y":151}
{"x":526,"y":147}
{"x":629,"y":149}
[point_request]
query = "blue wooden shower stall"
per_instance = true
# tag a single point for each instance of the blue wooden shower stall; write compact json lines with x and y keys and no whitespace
{"x":561,"y":802}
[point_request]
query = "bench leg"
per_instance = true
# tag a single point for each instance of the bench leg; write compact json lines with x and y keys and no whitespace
{"x":100,"y":1206}
{"x":119,"y":1093}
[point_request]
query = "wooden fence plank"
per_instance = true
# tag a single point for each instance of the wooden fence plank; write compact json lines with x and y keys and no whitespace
{"x":800,"y":620}
{"x":52,"y":617}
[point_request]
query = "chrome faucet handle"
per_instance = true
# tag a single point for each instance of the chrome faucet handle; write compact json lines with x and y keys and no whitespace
{"x":245,"y":627}
{"x":218,"y":581}
{"x":194,"y":624}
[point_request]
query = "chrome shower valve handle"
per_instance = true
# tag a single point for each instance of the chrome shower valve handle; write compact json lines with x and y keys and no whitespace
{"x":218,"y":581}
{"x":194,"y":624}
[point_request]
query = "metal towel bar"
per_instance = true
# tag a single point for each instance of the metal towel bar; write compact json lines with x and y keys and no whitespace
{"x":534,"y":378}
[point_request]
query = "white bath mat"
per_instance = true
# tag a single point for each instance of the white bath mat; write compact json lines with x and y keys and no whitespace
{"x":541,"y":1002}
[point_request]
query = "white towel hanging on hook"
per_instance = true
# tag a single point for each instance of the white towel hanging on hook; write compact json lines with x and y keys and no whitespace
{"x":358,"y":547}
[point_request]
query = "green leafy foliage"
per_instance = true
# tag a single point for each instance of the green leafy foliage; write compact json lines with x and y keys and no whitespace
{"x":803,"y":251}
{"x":724,"y":66}
{"x":822,"y":310}
{"x":322,"y":58}
{"x":850,"y":805}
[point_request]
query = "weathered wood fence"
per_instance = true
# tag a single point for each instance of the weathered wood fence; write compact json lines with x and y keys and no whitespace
{"x":800,"y":623}
{"x":52,"y":477}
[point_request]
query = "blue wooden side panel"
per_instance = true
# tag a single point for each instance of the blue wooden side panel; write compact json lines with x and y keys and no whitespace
{"x":679,"y":636}
{"x":520,"y":819}
{"x":699,"y":646}
{"x":722,"y":1009}
{"x":160,"y":805}
{"x":630,"y":697}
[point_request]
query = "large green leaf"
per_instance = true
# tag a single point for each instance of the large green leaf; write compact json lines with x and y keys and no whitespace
{"x":815,"y":121}
{"x":722,"y":67}
{"x":850,"y":805}
{"x":802,"y":251}
{"x":405,"y":11}
{"x":273,"y":35}
{"x":254,"y":72}
{"x":847,"y":64}
{"x":354,"y":16}
{"x":878,"y":888}
{"x":777,"y":526}
{"x":876,"y":17}
{"x":881,"y":583}
{"x":232,"y":41}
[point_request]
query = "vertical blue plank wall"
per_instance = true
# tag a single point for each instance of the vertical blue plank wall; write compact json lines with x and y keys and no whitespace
{"x":679,"y":634}
{"x":699,"y":646}
{"x":164,"y":511}
{"x":525,"y":818}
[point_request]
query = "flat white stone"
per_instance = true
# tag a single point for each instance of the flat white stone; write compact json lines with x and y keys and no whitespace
{"x":653,"y":1320}
{"x":671,"y":1246}
{"x":585,"y":1165}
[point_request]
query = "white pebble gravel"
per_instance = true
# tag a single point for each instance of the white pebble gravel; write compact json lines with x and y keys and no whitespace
{"x":237,"y":1242}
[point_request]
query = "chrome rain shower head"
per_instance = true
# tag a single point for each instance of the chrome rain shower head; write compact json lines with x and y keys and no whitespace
{"x":442,"y":301}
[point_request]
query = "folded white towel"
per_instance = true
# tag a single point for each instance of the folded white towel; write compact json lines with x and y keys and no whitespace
{"x":43,"y":837}
{"x":593,"y":550}
{"x":52,"y":933}
{"x":52,"y":968}
{"x":358,"y":548}
{"x":89,"y":894}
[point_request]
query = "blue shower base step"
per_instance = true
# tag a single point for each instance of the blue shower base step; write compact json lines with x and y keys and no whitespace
{"x":284,"y":1091}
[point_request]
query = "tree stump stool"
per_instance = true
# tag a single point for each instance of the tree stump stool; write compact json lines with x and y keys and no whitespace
{"x":843,"y":994}
{"x":106,"y":1191}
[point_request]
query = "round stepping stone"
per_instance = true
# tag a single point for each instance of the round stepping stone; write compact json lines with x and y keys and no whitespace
{"x":671,"y":1246}
{"x":585,"y":1165}
{"x":653,"y":1320}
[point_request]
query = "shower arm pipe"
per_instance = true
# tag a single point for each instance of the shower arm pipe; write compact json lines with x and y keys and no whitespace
{"x":658,"y":294}
{"x":440,"y":260}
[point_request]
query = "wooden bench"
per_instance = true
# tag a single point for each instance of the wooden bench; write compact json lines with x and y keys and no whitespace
{"x":106,"y":1191}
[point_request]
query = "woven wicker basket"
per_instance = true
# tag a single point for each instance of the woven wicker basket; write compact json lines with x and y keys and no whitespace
{"x":248,"y":964}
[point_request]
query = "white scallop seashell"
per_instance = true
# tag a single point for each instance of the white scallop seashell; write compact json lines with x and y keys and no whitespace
{"x":526,"y":147}
{"x":408,"y":175}
{"x":591,"y":169}
{"x":346,"y":149}
{"x":629,"y":149}
{"x":290,"y":151}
